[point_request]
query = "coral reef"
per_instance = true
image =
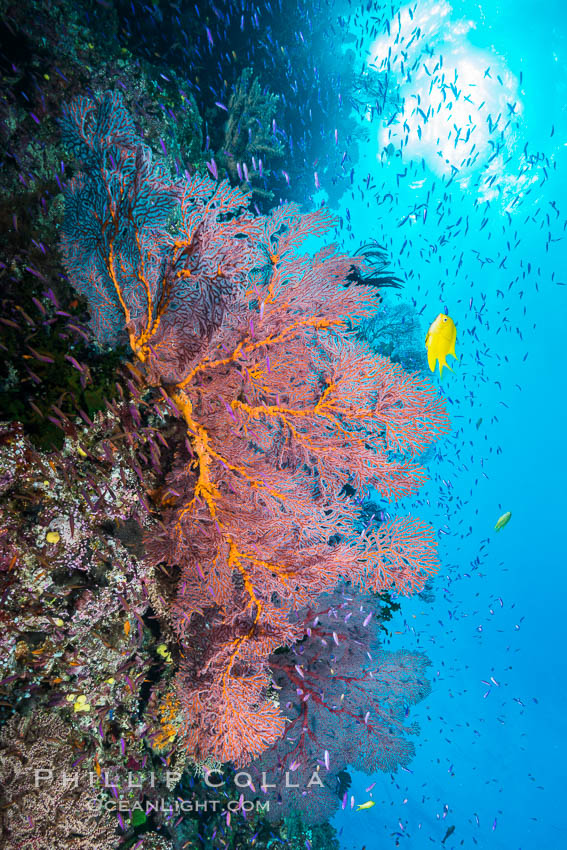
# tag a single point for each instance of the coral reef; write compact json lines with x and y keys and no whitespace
{"x":70,"y":583}
{"x":41,"y":804}
{"x":48,"y":53}
{"x":244,"y":339}
{"x":152,"y":603}
{"x":76,"y":632}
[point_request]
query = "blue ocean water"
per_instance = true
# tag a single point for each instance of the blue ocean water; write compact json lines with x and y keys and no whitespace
{"x":490,"y":757}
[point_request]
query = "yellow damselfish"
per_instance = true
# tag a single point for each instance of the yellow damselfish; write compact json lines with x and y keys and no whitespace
{"x":440,"y":341}
{"x":367,"y":805}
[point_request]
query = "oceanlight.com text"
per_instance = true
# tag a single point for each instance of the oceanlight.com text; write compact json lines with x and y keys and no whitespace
{"x":180,"y":806}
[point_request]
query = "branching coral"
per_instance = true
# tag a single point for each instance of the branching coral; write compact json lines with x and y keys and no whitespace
{"x":251,"y":146}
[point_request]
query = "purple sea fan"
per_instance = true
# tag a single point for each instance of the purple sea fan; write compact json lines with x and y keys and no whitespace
{"x":119,"y":203}
{"x":345,"y":710}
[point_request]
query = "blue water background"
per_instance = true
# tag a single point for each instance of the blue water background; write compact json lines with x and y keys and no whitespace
{"x":490,"y":758}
